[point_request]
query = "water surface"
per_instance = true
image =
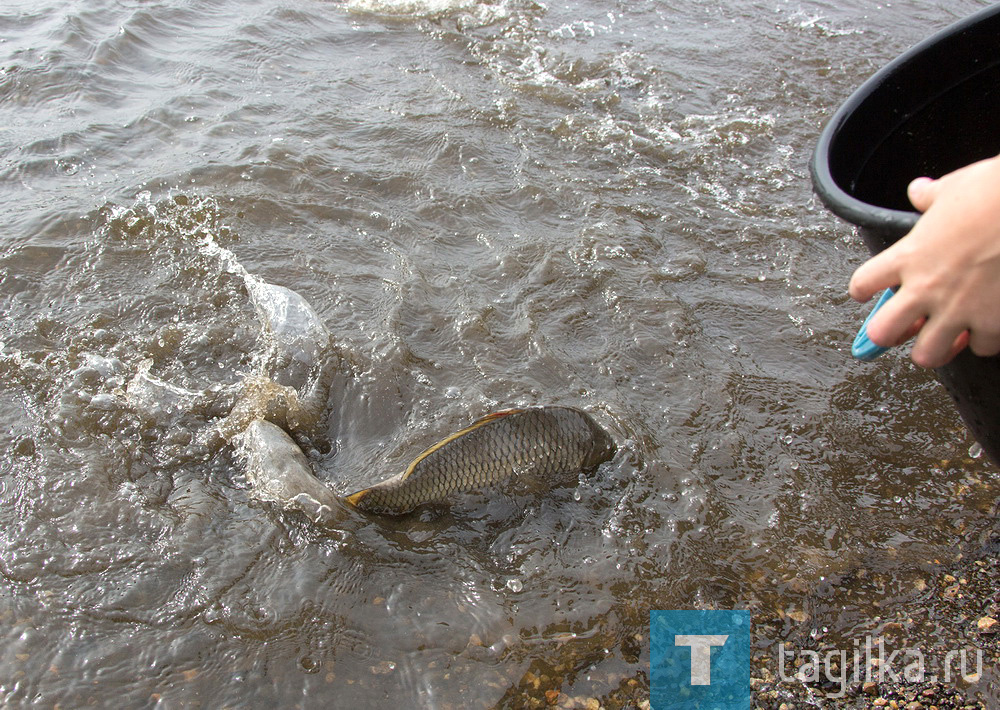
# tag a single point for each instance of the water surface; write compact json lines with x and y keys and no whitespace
{"x":602,"y":205}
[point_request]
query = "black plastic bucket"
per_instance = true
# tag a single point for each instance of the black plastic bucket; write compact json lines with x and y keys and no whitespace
{"x":928,"y":112}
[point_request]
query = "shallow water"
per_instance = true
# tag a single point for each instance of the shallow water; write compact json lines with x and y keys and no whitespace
{"x":489,"y":205}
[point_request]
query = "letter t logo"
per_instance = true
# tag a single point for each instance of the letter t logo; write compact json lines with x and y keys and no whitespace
{"x":701,"y":654}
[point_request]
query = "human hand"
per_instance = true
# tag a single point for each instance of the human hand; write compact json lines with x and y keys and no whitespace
{"x":947,"y":270}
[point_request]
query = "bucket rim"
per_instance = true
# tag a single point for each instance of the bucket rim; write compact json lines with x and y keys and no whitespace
{"x":836,"y":199}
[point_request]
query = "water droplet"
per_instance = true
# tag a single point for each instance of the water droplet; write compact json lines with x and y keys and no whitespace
{"x":976,"y":450}
{"x":453,"y":393}
{"x":514,"y":585}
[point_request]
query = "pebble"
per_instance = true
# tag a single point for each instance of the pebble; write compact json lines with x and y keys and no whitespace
{"x":987,"y":625}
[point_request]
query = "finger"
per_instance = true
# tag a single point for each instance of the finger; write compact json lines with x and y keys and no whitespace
{"x":874,"y":275}
{"x":984,"y":343}
{"x":895,"y":320}
{"x":922,"y":192}
{"x":911,"y":331}
{"x":936,"y":346}
{"x":961,"y":342}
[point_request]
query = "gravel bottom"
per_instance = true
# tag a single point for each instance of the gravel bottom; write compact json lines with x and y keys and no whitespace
{"x":955,"y":609}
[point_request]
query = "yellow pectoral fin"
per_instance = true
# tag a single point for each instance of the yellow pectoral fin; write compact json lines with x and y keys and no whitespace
{"x":355,"y":498}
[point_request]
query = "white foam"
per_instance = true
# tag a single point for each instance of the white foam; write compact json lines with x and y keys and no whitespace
{"x":409,"y":8}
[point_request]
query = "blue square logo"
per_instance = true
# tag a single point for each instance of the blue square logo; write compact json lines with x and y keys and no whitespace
{"x":699,"y":660}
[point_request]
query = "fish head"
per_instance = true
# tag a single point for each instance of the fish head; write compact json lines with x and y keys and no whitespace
{"x":602,"y":447}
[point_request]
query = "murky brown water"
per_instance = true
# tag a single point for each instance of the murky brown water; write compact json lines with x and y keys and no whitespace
{"x":489,"y":205}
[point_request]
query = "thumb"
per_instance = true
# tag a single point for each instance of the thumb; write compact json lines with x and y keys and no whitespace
{"x":922,"y":192}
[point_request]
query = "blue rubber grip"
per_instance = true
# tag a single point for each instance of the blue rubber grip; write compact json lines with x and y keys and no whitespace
{"x":863,"y":348}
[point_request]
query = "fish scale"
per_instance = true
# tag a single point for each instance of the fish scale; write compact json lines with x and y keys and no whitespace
{"x":536,"y":441}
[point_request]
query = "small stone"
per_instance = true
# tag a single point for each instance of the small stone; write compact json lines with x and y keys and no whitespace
{"x":913,"y":706}
{"x":551,"y":695}
{"x":880,"y":702}
{"x":869,"y":688}
{"x":948,"y":579}
{"x":592,"y":704}
{"x":987,"y":625}
{"x":784,"y":706}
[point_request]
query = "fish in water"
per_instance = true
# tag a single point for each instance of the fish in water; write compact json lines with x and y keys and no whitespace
{"x":536,"y":441}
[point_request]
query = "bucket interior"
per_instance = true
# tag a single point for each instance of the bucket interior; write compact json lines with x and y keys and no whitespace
{"x":957,"y":128}
{"x":933,"y":113}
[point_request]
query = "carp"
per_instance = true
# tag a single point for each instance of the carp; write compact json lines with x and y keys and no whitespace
{"x":536,"y":441}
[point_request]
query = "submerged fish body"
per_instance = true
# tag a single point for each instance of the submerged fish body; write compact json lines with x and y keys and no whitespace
{"x":538,"y":441}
